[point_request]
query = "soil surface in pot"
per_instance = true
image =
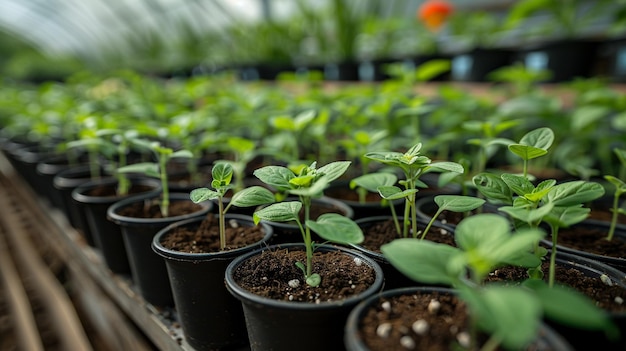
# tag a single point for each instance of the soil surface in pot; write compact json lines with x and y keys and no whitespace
{"x":389,"y":324}
{"x":421,"y":321}
{"x":273,"y":274}
{"x":206,"y":237}
{"x":151,"y":209}
{"x":382,"y":233}
{"x":592,"y":240}
{"x":605,"y":296}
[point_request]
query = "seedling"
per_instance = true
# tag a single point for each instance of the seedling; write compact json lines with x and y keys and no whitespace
{"x":558,"y":205}
{"x":509,"y":314}
{"x":222,"y":173}
{"x":620,"y":189}
{"x":156,"y":169}
{"x":308,"y":184}
{"x":413,"y":165}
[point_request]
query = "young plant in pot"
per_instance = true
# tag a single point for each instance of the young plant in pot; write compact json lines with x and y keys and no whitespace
{"x":556,"y":205}
{"x":492,"y":315}
{"x":317,"y":284}
{"x":96,"y":196}
{"x":140,"y":217}
{"x":196,"y":252}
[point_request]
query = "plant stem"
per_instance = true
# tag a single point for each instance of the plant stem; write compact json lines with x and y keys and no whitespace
{"x":165,"y":201}
{"x":308,"y":244}
{"x":394,"y":215}
{"x":609,"y":236}
{"x":221,"y":212}
{"x":551,"y":273}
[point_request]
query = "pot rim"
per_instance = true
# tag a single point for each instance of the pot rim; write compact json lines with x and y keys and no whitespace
{"x":175,"y":255}
{"x":78,"y":194}
{"x":115,"y":217}
{"x":352,"y":322}
{"x":248,"y":297}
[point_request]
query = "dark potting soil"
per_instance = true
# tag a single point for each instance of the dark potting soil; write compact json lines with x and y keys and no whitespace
{"x":382,"y":233}
{"x":151,"y":209}
{"x":206,"y":237}
{"x":269,"y":275}
{"x":389,"y":324}
{"x":608,"y":297}
{"x":592,"y":240}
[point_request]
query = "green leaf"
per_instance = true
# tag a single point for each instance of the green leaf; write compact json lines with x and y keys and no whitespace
{"x":279,"y":212}
{"x":431,"y":69}
{"x":303,"y":119}
{"x":203,"y":194}
{"x":458,"y":203}
{"x":275,"y":176}
{"x":252,"y":196}
{"x":493,"y":188}
{"x":313,"y":280}
{"x":588,"y":115}
{"x":528,"y":215}
{"x":575,"y":193}
{"x":508,"y":313}
{"x":315,"y":190}
{"x":388,"y":158}
{"x":333,"y":170}
{"x":563,"y":217}
{"x":527,"y":152}
{"x":222,"y":172}
{"x":394,"y":193}
{"x":372,"y":181}
{"x":336,"y":228}
{"x":474,"y":231}
{"x":446,"y":166}
{"x":557,"y":302}
{"x":519,"y":184}
{"x":182,"y":154}
{"x":619,"y":184}
{"x":148,"y":168}
{"x":283,"y":123}
{"x":421,"y":260}
{"x":541,"y":138}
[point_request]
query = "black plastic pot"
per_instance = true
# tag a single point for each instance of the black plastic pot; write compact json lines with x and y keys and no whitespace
{"x":25,"y":160}
{"x":148,"y":269}
{"x":209,"y":315}
{"x":566,"y":59}
{"x":65,"y":182}
{"x":548,"y":338}
{"x":342,"y":71}
{"x":475,"y":65}
{"x":48,"y":169}
{"x":107,"y":235}
{"x":283,"y":325}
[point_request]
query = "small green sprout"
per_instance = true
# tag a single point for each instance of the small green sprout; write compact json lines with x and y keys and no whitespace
{"x":222,"y":173}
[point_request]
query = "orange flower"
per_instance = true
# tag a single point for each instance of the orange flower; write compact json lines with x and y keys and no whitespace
{"x":434,"y":13}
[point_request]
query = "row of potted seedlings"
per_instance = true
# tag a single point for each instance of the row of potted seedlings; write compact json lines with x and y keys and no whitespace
{"x":230,"y":287}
